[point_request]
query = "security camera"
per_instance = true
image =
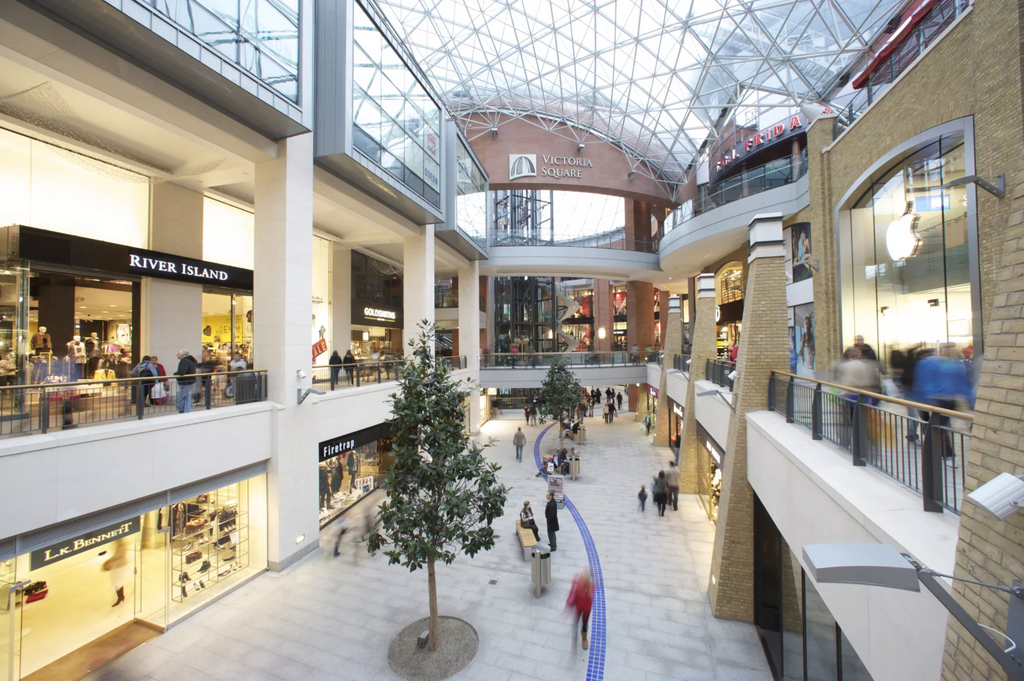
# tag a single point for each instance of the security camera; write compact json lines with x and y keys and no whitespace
{"x":732,"y":375}
{"x":1000,"y":496}
{"x":688,"y":362}
{"x":300,"y":374}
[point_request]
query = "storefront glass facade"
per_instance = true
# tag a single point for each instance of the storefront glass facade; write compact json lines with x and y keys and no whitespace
{"x":261,"y":37}
{"x":351,"y":467}
{"x":709,"y":472}
{"x":396,"y":123}
{"x":470,"y":195}
{"x":904,"y":253}
{"x":141,"y":571}
{"x":801,"y":638}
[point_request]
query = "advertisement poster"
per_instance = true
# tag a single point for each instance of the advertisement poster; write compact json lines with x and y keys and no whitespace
{"x":801,"y":335}
{"x":800,"y":236}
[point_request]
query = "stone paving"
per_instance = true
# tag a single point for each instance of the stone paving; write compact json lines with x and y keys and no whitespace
{"x":333,"y":618}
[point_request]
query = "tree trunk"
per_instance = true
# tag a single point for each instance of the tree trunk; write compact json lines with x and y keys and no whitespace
{"x":434,"y":623}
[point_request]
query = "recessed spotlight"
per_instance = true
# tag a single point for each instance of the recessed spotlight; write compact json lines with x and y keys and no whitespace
{"x":81,"y":307}
{"x":105,"y":311}
{"x":113,"y":306}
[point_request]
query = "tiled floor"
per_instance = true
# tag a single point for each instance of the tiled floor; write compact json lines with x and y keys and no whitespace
{"x":333,"y":618}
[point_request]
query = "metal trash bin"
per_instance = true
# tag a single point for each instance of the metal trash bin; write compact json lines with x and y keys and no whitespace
{"x":540,"y":568}
{"x":574,"y":467}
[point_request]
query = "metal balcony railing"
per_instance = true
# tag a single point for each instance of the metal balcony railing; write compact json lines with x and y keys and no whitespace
{"x":533,"y":360}
{"x":919,"y":445}
{"x":718,"y":371}
{"x":616,"y":240}
{"x":29,"y":409}
{"x":341,"y":376}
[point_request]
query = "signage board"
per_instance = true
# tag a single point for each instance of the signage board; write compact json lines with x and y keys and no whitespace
{"x":42,"y":246}
{"x":83,"y":542}
{"x":319,"y":348}
{"x":369,"y":313}
{"x":557,"y":167}
{"x":338,"y":445}
{"x":778,"y":132}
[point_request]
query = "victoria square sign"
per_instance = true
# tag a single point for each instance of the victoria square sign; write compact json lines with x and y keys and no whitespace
{"x":559,"y":167}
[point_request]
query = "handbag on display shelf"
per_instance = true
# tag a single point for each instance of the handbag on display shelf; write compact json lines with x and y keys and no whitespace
{"x":36,"y":591}
{"x":195,"y":525}
{"x":193,"y":557}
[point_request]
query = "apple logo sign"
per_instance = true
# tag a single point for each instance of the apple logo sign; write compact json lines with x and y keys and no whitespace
{"x":900,"y":238}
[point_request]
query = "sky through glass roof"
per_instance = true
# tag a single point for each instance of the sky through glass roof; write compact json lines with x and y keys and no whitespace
{"x":656,"y":77}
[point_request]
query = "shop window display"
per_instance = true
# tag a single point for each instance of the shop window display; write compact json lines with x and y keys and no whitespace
{"x":210,"y":541}
{"x":709,"y":473}
{"x":350,"y":475}
{"x":114,"y":581}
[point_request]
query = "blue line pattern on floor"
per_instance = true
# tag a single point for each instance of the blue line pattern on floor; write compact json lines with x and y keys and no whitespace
{"x":595,"y":664}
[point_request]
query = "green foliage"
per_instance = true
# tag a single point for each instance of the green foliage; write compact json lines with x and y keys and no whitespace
{"x":442,"y":494}
{"x":560,"y":394}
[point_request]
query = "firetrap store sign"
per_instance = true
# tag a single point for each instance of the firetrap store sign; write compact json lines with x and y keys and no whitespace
{"x":339,"y":445}
{"x":558,"y":167}
{"x":83,"y":542}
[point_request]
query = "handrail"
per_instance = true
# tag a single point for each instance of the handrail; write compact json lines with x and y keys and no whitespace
{"x":920,"y":406}
{"x":130,"y":379}
{"x":921,"y":449}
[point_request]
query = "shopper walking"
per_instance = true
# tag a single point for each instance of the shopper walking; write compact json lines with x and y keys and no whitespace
{"x":349,"y":363}
{"x":145,"y":369}
{"x":642,"y":498}
{"x":345,"y":524}
{"x":618,"y":400}
{"x":533,"y":414}
{"x":335,"y":363}
{"x":580,"y":601}
{"x":672,"y":478}
{"x":526,"y":519}
{"x":551,"y":516}
{"x":118,"y":567}
{"x":519,"y":440}
{"x":186,"y":374}
{"x":660,"y":490}
{"x":607,"y":411}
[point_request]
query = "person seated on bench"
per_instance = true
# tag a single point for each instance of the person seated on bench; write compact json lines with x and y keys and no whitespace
{"x":572,"y":430}
{"x":563,"y":462}
{"x":526,"y":518}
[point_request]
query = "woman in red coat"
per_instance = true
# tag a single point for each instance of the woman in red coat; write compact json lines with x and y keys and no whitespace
{"x":581,"y":598}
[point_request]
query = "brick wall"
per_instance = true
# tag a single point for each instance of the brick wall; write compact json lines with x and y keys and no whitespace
{"x":991,"y":550}
{"x":703,"y":349}
{"x":765,"y":348}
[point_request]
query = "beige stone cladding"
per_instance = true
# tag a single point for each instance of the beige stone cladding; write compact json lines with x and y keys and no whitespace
{"x":988,"y":549}
{"x":765,"y":348}
{"x":673,"y":330}
{"x":702,"y":349}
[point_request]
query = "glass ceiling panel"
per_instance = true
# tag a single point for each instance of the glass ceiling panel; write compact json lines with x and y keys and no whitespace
{"x":651,"y":76}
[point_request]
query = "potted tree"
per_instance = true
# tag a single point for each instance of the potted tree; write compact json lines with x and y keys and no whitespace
{"x":442,"y":494}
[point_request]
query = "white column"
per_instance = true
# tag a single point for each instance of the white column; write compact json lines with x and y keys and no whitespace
{"x":469,"y":335}
{"x":417,"y":284}
{"x":172,"y":311}
{"x":282,"y":310}
{"x":341,"y":298}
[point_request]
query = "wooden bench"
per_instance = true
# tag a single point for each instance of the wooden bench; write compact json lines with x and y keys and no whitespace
{"x":526,"y":538}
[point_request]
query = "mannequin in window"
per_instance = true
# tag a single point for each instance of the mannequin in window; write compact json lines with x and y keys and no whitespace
{"x":41,"y":341}
{"x":76,"y":357}
{"x":92,"y":353}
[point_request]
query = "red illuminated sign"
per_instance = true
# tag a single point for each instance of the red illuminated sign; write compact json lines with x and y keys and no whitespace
{"x":796,"y":124}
